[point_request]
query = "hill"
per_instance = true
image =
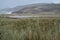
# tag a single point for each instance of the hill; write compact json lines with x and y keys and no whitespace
{"x":34,"y":8}
{"x":38,"y":8}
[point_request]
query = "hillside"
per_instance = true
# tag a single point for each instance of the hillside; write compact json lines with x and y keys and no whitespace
{"x":34,"y":8}
{"x":38,"y":8}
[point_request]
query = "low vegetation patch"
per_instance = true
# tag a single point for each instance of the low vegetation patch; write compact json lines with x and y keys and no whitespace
{"x":29,"y":29}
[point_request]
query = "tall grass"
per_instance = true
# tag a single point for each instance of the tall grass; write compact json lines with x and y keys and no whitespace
{"x":30,"y":29}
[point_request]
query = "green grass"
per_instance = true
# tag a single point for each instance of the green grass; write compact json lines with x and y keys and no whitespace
{"x":29,"y":29}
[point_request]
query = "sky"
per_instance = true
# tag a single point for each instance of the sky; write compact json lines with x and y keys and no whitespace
{"x":14,"y":3}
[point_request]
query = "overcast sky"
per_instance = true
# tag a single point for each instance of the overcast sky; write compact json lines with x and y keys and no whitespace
{"x":13,"y":3}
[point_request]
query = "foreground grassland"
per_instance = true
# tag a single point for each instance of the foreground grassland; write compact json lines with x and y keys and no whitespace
{"x":29,"y":29}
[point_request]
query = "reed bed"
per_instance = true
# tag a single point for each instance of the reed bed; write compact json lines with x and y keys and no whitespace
{"x":30,"y":29}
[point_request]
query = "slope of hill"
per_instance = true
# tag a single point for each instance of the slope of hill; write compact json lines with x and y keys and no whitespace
{"x":37,"y":8}
{"x":34,"y":8}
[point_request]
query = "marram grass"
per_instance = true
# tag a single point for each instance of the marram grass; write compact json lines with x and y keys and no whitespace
{"x":30,"y":29}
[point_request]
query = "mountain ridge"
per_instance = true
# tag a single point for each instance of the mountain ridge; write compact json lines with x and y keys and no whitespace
{"x":34,"y":8}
